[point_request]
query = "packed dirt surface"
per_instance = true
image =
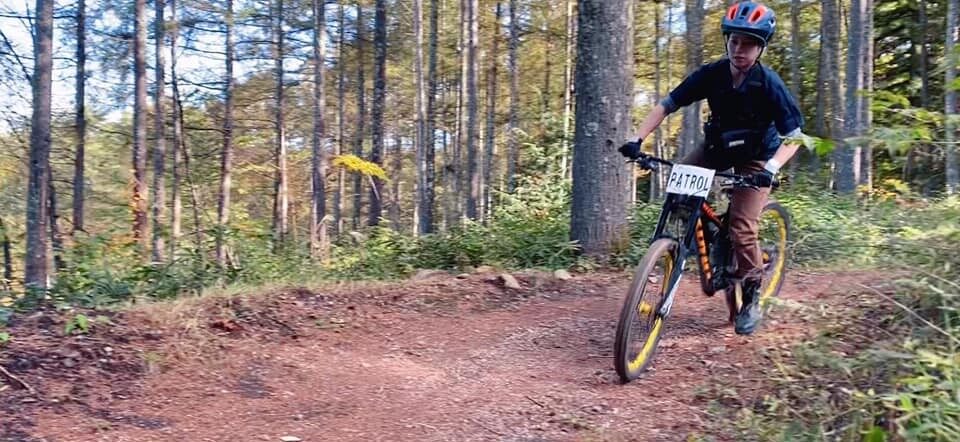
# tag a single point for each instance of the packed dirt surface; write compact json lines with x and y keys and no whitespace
{"x":443,"y":358}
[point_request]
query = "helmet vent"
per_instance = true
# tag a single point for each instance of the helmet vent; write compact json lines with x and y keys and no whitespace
{"x":757,"y":14}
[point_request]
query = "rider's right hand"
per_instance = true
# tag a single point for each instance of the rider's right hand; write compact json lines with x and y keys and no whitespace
{"x":631,"y":149}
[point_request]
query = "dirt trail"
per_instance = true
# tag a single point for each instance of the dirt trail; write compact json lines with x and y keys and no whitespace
{"x":441,"y":359}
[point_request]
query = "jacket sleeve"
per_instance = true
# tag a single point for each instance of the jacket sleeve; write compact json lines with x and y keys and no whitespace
{"x":693,"y":88}
{"x":786,"y":113}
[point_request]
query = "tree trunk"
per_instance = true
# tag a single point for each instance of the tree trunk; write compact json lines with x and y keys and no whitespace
{"x":395,"y":213}
{"x":866,"y":116}
{"x":473,"y":154}
{"x":458,"y":146}
{"x":513,"y":148}
{"x":196,"y":203}
{"x":568,"y":86}
{"x":548,"y":48}
{"x":361,"y":118}
{"x":79,"y":165}
{"x":690,"y":131}
{"x":795,"y":76}
{"x":35,"y":272}
{"x":848,"y":157}
{"x":140,"y":196}
{"x":226,"y":156}
{"x":950,"y":99}
{"x":379,"y":98}
{"x":491,"y":140}
{"x":56,"y":238}
{"x":282,"y":202}
{"x":658,"y":133}
{"x":160,"y":149}
{"x":319,"y":160}
{"x":341,"y":94}
{"x":604,"y":84}
{"x":924,"y":56}
{"x":427,"y":168}
{"x":176,"y":215}
{"x":7,"y":258}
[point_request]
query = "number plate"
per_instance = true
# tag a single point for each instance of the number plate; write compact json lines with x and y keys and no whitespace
{"x":690,"y":180}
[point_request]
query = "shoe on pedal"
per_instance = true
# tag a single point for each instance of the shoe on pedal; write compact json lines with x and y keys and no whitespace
{"x":749,"y":316}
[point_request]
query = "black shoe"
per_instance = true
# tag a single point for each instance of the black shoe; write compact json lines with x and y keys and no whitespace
{"x":750,"y":314}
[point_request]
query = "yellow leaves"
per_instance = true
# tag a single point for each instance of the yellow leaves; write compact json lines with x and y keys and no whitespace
{"x":354,"y":164}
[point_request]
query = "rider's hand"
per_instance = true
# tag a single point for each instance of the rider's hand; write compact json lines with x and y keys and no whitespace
{"x":631,"y":149}
{"x":764,"y":178}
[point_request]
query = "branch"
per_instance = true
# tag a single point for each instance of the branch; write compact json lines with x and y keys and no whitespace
{"x":13,"y":378}
{"x":16,"y":56}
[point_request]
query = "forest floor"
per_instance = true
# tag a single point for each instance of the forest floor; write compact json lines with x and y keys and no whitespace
{"x":442,"y":358}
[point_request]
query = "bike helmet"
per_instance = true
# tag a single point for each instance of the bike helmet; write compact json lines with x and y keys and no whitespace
{"x":750,"y":18}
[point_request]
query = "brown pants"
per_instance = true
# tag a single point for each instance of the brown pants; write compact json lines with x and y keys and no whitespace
{"x":745,"y":207}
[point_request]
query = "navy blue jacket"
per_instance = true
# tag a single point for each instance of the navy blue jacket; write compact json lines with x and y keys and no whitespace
{"x":761,"y":102}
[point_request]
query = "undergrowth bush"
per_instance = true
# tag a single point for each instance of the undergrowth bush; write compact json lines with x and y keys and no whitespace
{"x":887,"y":367}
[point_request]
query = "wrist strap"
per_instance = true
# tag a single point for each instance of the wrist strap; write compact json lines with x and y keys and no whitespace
{"x":772,"y":166}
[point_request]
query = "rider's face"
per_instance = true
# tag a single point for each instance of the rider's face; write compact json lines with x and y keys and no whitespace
{"x":744,"y":50}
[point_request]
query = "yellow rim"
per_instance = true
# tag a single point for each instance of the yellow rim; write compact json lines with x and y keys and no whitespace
{"x":648,"y":346}
{"x":645,"y":309}
{"x":774,"y":277}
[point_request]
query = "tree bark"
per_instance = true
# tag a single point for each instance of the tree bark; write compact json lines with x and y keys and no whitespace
{"x":35,"y":269}
{"x":866,"y":116}
{"x":924,"y":55}
{"x":473,"y":148}
{"x":56,"y":238}
{"x":604,"y":84}
{"x":176,"y":203}
{"x":513,"y":148}
{"x":319,"y":160}
{"x":282,"y":202}
{"x":795,"y":76}
{"x":226,"y":155}
{"x":569,"y":38}
{"x":395,"y":212}
{"x":361,"y":118}
{"x":690,"y":131}
{"x":160,"y":149}
{"x":848,"y":157}
{"x":491,"y":140}
{"x":658,"y":133}
{"x":341,"y":94}
{"x":427,"y":168}
{"x":140,"y":195}
{"x":80,"y":118}
{"x":7,"y":258}
{"x":950,"y":99}
{"x":379,"y":98}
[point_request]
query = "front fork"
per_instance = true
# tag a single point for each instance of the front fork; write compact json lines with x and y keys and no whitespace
{"x":687,"y":246}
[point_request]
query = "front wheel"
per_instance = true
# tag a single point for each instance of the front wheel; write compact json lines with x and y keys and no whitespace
{"x":641,"y":324}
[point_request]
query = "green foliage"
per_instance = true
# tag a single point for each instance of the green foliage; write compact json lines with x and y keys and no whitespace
{"x":4,"y":338}
{"x":79,"y":324}
{"x":853,"y":383}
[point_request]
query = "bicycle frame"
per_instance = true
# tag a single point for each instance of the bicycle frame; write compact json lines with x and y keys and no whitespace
{"x":693,"y":242}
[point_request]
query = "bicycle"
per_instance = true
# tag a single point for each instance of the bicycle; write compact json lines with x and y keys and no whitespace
{"x":689,"y":226}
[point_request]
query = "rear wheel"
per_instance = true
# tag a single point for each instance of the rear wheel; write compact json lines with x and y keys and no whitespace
{"x":774,"y":234}
{"x":641,"y":324}
{"x":773,"y":239}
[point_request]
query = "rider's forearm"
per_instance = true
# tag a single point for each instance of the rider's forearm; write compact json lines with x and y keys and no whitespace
{"x":784,"y":153}
{"x":653,"y":119}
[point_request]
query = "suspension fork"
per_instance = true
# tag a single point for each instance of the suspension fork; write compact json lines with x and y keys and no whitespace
{"x":685,"y":248}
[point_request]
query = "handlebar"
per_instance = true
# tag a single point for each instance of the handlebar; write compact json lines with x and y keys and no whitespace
{"x":649,"y":162}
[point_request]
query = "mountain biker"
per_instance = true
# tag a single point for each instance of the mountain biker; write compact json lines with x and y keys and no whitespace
{"x":751,"y":112}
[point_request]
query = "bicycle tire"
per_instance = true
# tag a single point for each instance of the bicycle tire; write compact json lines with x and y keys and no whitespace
{"x":628,"y":366}
{"x":774,"y":250}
